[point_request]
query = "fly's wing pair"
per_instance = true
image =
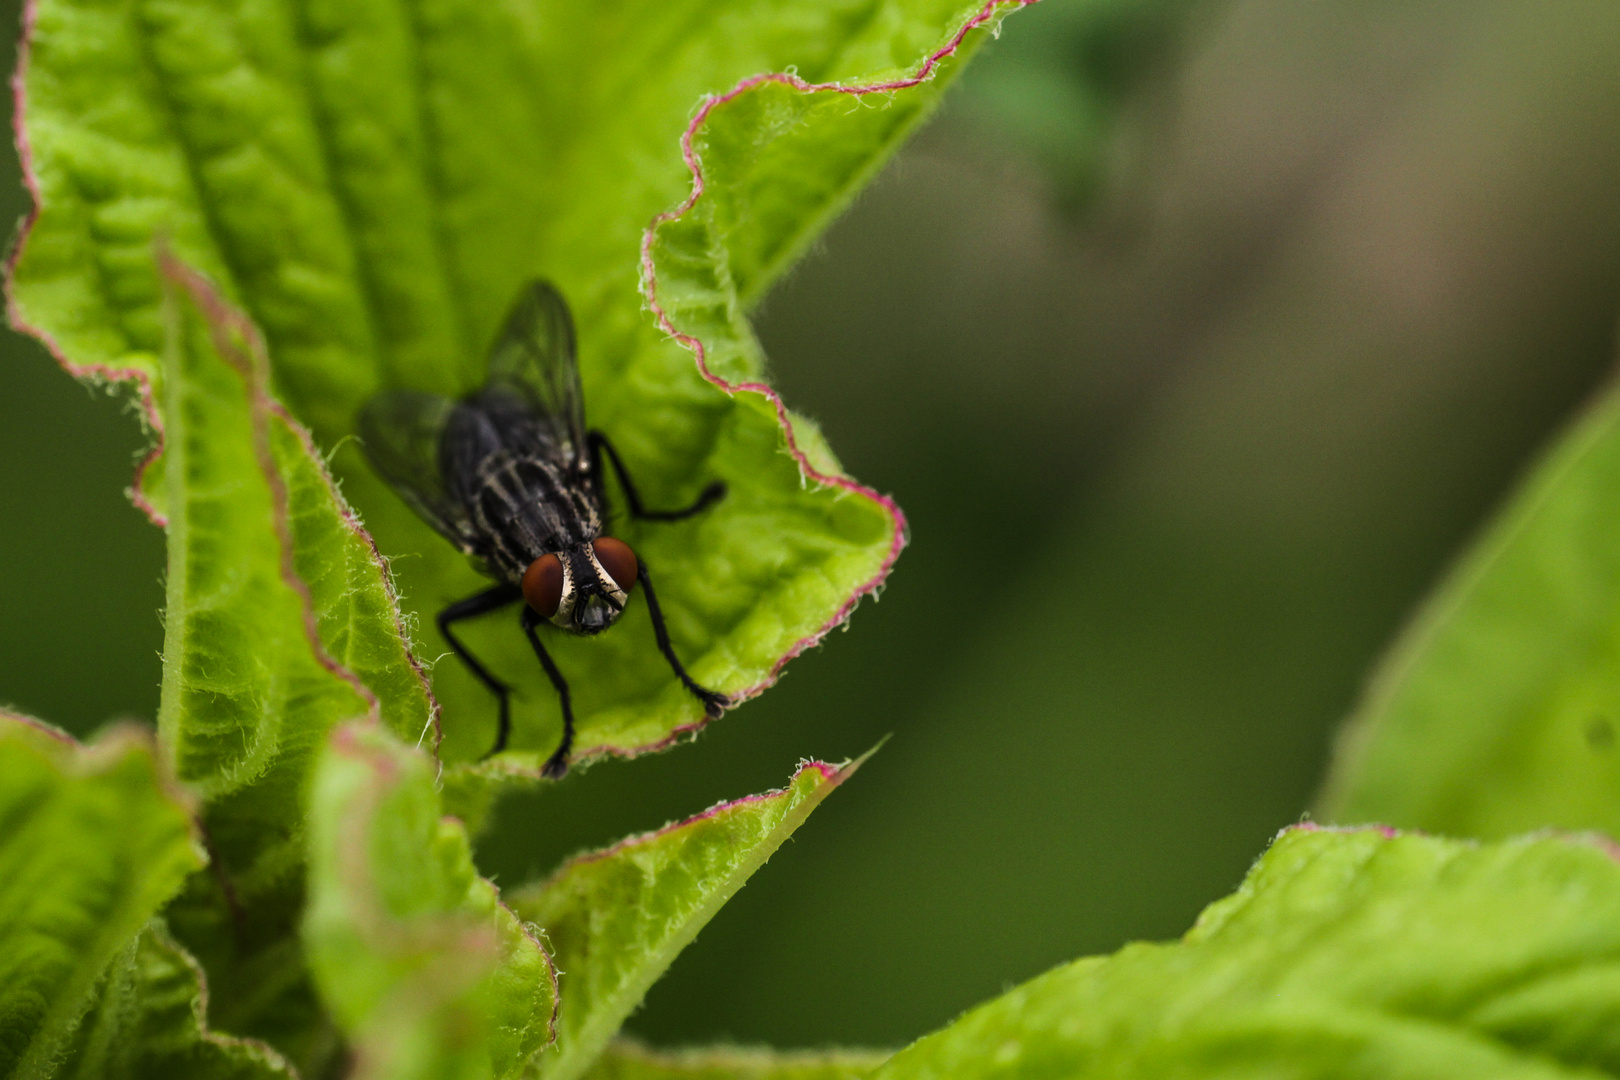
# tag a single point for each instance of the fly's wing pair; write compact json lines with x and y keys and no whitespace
{"x":403,"y":431}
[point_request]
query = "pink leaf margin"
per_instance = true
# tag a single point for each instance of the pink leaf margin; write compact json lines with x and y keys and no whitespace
{"x":222,"y":317}
{"x":229,"y":326}
{"x":649,"y":289}
{"x":9,"y":716}
{"x":832,"y":775}
{"x":261,"y":1052}
{"x":142,"y":379}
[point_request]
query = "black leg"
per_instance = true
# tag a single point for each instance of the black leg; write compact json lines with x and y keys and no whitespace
{"x":557,"y":764}
{"x":713,"y":703}
{"x":486,"y":601}
{"x":599,"y":442}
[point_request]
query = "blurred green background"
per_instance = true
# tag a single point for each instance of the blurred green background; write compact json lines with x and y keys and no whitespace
{"x":1195,"y":338}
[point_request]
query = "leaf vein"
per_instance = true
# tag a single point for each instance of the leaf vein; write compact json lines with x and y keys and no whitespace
{"x":315,"y":105}
{"x":433,"y":177}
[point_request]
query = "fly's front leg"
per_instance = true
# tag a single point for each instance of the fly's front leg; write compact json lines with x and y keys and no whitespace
{"x":713,"y":702}
{"x":556,"y":765}
{"x":486,"y":601}
{"x":598,"y":443}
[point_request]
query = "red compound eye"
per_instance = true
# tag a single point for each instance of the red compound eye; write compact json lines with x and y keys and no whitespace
{"x":617,"y":559}
{"x":543,"y":584}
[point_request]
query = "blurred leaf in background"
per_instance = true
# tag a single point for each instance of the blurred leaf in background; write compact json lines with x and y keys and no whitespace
{"x":1060,"y":87}
{"x":1343,"y":268}
{"x":1495,"y":713}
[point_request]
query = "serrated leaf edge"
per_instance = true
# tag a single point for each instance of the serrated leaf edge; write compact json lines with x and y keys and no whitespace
{"x":649,"y":291}
{"x":265,"y":1053}
{"x":252,"y":361}
{"x":252,"y":368}
{"x":43,"y":727}
{"x":831,"y":775}
{"x":146,"y":396}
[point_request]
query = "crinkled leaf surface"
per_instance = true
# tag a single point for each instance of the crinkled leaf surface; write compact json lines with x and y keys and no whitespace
{"x":616,"y":918}
{"x":91,"y":844}
{"x":279,"y":625}
{"x":424,"y":969}
{"x":150,"y":1022}
{"x":1343,"y":955}
{"x":373,"y":181}
{"x":625,"y":1060}
{"x":279,"y":619}
{"x":1499,"y":709}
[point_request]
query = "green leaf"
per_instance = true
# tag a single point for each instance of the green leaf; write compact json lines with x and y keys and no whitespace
{"x":373,"y":182}
{"x":628,"y":1060}
{"x":1344,"y":955}
{"x":150,"y":1021}
{"x":92,"y":842}
{"x":280,"y":623}
{"x":617,"y":918}
{"x":1498,"y":710}
{"x":422,"y":966}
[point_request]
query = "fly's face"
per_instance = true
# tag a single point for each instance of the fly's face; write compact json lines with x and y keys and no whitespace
{"x":584,"y":588}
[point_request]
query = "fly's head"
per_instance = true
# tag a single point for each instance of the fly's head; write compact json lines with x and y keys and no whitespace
{"x":584,"y":588}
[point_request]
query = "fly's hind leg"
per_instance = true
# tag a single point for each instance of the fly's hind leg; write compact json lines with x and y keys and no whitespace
{"x":713,"y":703}
{"x":488,"y":600}
{"x":556,"y":765}
{"x":598,"y":443}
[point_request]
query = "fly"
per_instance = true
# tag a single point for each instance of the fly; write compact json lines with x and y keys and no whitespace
{"x":512,"y":477}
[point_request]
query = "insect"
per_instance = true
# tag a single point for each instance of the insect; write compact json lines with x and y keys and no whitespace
{"x":512,"y":477}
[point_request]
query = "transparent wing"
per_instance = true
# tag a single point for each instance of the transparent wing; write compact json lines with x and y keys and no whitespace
{"x":401,"y":432}
{"x":534,"y":358}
